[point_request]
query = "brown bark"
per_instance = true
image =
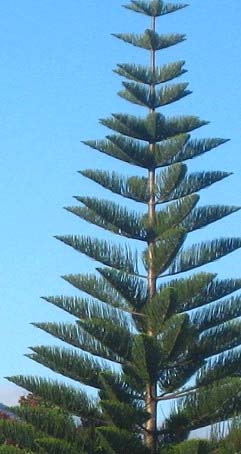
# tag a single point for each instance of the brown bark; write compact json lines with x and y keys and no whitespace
{"x":151,"y":389}
{"x":150,"y":438}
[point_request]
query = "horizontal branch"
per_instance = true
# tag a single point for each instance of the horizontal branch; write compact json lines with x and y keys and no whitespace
{"x":176,"y":395}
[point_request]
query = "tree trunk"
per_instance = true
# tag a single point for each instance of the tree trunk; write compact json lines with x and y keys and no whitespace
{"x":150,"y":437}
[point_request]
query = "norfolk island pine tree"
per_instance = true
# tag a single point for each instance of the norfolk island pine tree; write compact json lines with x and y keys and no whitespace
{"x":152,"y":313}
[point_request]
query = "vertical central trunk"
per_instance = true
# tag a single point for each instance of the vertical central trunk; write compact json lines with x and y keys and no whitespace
{"x":151,"y":388}
{"x":151,"y":218}
{"x":150,"y":437}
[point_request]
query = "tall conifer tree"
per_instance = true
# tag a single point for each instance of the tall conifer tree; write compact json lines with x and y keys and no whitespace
{"x":150,"y":313}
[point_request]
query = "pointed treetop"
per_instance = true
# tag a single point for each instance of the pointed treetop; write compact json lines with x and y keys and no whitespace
{"x":154,"y":8}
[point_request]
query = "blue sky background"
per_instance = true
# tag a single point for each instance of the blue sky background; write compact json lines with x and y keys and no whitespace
{"x":56,"y":62}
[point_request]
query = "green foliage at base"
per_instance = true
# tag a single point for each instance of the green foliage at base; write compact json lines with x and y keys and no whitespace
{"x":13,"y":450}
{"x":190,"y":447}
{"x":231,"y":444}
{"x":20,"y":433}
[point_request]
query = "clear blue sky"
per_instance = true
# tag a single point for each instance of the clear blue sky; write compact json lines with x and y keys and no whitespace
{"x":56,"y":81}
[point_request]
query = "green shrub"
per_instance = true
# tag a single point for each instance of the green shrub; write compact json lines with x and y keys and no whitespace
{"x":190,"y":447}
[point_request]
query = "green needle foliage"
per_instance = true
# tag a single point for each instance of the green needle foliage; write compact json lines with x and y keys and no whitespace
{"x":142,"y":338}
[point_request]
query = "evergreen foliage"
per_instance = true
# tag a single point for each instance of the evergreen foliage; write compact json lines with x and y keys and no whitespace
{"x":143,"y":339}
